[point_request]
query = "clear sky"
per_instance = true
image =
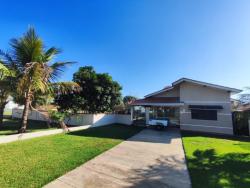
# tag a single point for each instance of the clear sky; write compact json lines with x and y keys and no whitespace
{"x":144,"y":44}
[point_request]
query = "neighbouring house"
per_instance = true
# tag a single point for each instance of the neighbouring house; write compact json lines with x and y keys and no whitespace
{"x":10,"y":106}
{"x":189,"y":104}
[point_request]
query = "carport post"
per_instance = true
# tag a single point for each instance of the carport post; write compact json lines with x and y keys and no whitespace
{"x":147,"y":115}
{"x":131,"y":113}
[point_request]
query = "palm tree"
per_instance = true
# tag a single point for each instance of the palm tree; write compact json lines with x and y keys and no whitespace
{"x":35,"y":68}
{"x":6,"y":87}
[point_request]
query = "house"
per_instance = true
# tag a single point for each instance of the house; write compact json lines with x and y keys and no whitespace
{"x":190,"y":104}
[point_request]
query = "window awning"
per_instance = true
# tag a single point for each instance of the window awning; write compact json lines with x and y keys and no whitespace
{"x":205,"y":107}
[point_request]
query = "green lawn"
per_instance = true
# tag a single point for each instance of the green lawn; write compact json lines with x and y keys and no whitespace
{"x":11,"y":126}
{"x":36,"y":162}
{"x":217,"y":162}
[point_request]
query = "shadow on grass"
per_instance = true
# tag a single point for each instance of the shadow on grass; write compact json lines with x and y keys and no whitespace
{"x":115,"y":131}
{"x":211,"y":135}
{"x":207,"y":169}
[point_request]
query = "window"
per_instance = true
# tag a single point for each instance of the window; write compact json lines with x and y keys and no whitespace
{"x":163,"y":113}
{"x":204,"y":114}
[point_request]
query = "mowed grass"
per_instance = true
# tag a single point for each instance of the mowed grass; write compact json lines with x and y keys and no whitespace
{"x":7,"y":112}
{"x":215,"y":162}
{"x":11,"y":126}
{"x":36,"y":162}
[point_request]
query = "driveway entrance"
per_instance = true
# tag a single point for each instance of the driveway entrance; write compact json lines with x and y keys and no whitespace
{"x":148,"y":159}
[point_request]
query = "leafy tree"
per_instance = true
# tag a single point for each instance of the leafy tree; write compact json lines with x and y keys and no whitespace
{"x":99,"y":93}
{"x":128,"y":99}
{"x":124,"y":107}
{"x":69,"y":102}
{"x":35,"y":68}
{"x":7,"y":82}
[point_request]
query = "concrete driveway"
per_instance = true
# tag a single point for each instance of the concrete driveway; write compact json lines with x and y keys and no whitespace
{"x":148,"y":159}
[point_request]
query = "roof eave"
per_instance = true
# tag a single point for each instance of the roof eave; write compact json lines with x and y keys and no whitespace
{"x":158,"y":92}
{"x":232,"y":90}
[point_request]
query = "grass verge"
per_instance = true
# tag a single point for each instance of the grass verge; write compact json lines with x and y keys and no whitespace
{"x":36,"y":162}
{"x":215,"y":162}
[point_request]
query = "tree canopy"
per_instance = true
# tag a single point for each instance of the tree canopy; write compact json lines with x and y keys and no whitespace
{"x":7,"y":83}
{"x":99,"y":92}
{"x":128,"y":99}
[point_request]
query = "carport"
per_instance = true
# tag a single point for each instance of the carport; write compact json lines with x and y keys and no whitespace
{"x":158,"y":108}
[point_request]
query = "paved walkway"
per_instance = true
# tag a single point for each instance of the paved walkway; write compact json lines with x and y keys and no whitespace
{"x":24,"y":136}
{"x":149,"y":159}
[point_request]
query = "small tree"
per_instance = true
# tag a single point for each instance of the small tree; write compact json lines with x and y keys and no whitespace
{"x":7,"y":82}
{"x":46,"y":105}
{"x":59,"y":118}
{"x":35,"y":68}
{"x":128,"y":99}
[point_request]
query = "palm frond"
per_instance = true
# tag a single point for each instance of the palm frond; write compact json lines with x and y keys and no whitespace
{"x":32,"y":65}
{"x":33,"y":77}
{"x":5,"y":72}
{"x":6,"y":56}
{"x":28,"y":48}
{"x":50,"y":53}
{"x":3,"y":69}
{"x":8,"y":61}
{"x":58,"y":68}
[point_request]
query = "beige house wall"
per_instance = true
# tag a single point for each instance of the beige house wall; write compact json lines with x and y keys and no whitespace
{"x":194,"y":94}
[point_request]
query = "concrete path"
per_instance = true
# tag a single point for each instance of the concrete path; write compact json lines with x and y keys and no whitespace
{"x":149,"y":159}
{"x":24,"y":136}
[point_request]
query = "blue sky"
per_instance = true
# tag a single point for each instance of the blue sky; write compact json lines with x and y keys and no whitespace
{"x":144,"y":44}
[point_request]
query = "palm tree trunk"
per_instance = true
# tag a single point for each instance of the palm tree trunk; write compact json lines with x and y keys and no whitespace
{"x":25,"y":113}
{"x":1,"y":114}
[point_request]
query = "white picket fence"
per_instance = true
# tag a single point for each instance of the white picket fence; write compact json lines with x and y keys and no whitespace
{"x":81,"y":119}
